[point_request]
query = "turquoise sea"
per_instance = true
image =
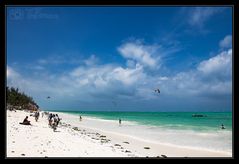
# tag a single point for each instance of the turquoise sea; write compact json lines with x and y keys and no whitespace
{"x":173,"y":120}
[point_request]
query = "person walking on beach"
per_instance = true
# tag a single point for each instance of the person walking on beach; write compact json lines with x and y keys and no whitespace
{"x":50,"y":119}
{"x":37,"y":116}
{"x":120,"y":121}
{"x":54,"y":122}
{"x":222,"y":127}
{"x":57,"y":119}
{"x":80,"y":118}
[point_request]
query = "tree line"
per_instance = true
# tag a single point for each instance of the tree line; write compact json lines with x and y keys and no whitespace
{"x":20,"y":99}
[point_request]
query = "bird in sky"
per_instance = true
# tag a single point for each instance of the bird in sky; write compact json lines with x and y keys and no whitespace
{"x":157,"y":90}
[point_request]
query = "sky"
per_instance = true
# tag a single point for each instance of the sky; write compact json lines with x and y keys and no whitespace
{"x":113,"y":58}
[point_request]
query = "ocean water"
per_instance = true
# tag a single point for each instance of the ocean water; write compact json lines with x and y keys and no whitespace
{"x":173,"y":120}
{"x":172,"y":128}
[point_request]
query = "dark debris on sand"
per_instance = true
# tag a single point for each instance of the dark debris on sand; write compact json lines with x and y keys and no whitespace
{"x":164,"y":156}
{"x":126,"y":142}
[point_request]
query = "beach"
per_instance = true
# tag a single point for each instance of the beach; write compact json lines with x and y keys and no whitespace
{"x":87,"y":138}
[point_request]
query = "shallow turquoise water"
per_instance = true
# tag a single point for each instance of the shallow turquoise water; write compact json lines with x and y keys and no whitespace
{"x":170,"y":120}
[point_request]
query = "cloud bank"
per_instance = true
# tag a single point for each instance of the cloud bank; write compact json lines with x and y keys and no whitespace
{"x":100,"y":83}
{"x":226,"y":42}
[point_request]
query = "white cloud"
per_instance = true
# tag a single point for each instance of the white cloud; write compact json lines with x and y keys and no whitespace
{"x":128,"y":76}
{"x":219,"y":64}
{"x":91,"y":83}
{"x":199,"y":15}
{"x":130,"y":64}
{"x":163,"y":78}
{"x":226,"y":42}
{"x":92,"y":60}
{"x":212,"y":77}
{"x":144,"y":54}
{"x":106,"y":74}
{"x":38,"y":67}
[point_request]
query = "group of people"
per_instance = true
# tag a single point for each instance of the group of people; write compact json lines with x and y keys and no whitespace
{"x":53,"y":120}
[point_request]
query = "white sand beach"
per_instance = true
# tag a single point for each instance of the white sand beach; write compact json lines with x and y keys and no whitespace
{"x":74,"y":138}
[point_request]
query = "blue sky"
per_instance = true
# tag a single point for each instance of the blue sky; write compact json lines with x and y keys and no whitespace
{"x":113,"y":58}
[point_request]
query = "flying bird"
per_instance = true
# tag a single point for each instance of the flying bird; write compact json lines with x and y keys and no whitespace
{"x":48,"y":97}
{"x":157,"y":90}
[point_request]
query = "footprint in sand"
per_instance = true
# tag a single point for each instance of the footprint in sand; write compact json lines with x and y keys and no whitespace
{"x":146,"y":147}
{"x":13,"y":151}
{"x":23,"y":154}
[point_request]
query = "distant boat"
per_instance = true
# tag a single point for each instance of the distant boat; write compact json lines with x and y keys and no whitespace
{"x":198,"y":115}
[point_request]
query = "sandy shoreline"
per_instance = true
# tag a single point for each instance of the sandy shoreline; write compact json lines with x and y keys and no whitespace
{"x":81,"y":139}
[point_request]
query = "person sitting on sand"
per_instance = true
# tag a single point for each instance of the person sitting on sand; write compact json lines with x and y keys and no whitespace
{"x":25,"y":121}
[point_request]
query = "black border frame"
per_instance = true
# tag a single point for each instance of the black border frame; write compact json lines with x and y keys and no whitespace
{"x":235,"y":13}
